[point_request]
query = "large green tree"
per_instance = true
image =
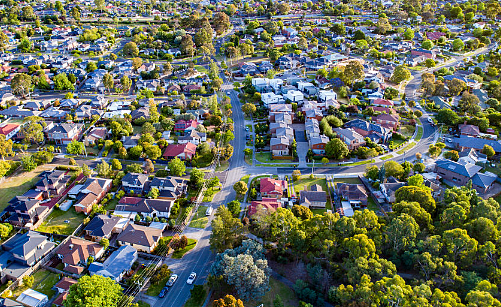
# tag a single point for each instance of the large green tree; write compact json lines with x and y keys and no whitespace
{"x":94,"y":290}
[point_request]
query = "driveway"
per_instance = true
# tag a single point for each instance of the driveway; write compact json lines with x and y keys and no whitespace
{"x":300,"y":136}
{"x":302,"y":150}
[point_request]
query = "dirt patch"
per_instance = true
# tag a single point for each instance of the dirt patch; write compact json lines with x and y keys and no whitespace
{"x":292,"y":270}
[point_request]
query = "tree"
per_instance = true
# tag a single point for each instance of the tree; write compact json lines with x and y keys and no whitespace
{"x":62,"y":83}
{"x":28,"y":163}
{"x":393,"y":169}
{"x":4,"y":41}
{"x":86,"y":171}
{"x":488,"y":151}
{"x":456,"y":86}
{"x":99,"y":4}
{"x":28,"y":281}
{"x":234,"y":207}
{"x":136,"y":63}
{"x":152,"y":151}
{"x":427,"y":44}
{"x":126,"y":84}
{"x":353,"y":71}
{"x":336,"y":149}
{"x":186,"y":45}
{"x":422,"y":195}
{"x":227,"y":231}
{"x":469,"y":103}
{"x":116,"y":165}
{"x":5,"y":230}
{"x":228,"y":301}
{"x":401,"y":73}
{"x":32,"y":130}
{"x":177,"y":167}
{"x":5,"y":146}
{"x":457,"y":44}
{"x":240,"y":187}
{"x":302,"y":212}
{"x":103,"y":169}
{"x":104,"y":243}
{"x":303,"y":43}
{"x":154,"y":115}
{"x":408,"y":34}
{"x":383,"y":25}
{"x":448,"y":117}
{"x":459,"y":246}
{"x":429,"y":63}
{"x":249,"y":109}
{"x":75,"y":148}
{"x":108,"y":81}
{"x":283,"y":8}
{"x":25,"y":45}
{"x":401,"y":232}
{"x":296,"y":175}
{"x":21,"y":85}
{"x":94,"y":290}
{"x":91,"y":66}
{"x":153,"y":193}
{"x":197,"y":178}
{"x":130,"y":49}
{"x":148,"y":166}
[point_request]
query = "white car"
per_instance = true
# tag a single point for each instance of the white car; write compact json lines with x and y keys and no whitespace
{"x":430,"y":120}
{"x":171,"y":280}
{"x":191,"y":279}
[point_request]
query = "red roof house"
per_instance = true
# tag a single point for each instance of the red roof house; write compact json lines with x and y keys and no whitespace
{"x":272,"y":188}
{"x":182,"y":151}
{"x":267,"y":204}
{"x":9,"y":130}
{"x":383,"y":103}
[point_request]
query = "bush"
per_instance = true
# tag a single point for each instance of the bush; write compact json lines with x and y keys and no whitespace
{"x":162,"y":273}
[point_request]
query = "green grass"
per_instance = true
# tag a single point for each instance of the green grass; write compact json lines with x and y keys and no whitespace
{"x":360,"y":163}
{"x":347,"y":180}
{"x":407,"y":130}
{"x":248,"y":159}
{"x":209,"y":195}
{"x":180,"y":253}
{"x":264,"y":157}
{"x":19,"y":184}
{"x":278,"y":165}
{"x":44,"y":281}
{"x":154,"y":290}
{"x":111,"y":204}
{"x":371,"y":205}
{"x":199,"y":220}
{"x":277,"y":288}
{"x":245,"y":179}
{"x":223,"y":166}
{"x":387,"y":157}
{"x":54,"y":223}
{"x":201,"y":69}
{"x":305,"y":181}
{"x":498,"y":198}
{"x":142,"y":304}
{"x":412,"y":144}
{"x":419,"y":134}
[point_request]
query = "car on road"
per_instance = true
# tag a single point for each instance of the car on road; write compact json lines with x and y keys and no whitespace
{"x":163,"y":292}
{"x":191,"y":279}
{"x":171,"y":280}
{"x":35,"y":95}
{"x":430,"y":120}
{"x":449,"y":140}
{"x":209,"y":211}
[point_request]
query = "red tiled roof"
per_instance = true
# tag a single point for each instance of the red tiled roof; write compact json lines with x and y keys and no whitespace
{"x":272,"y":186}
{"x":383,"y":102}
{"x":270,"y":204}
{"x":130,"y":200}
{"x":174,"y":150}
{"x":65,"y":283}
{"x":8,"y":128}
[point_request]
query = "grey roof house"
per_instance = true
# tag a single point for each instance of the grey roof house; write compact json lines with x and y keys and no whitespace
{"x":117,"y":264}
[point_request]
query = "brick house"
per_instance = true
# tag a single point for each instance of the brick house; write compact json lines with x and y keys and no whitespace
{"x":182,"y":151}
{"x":317,"y":144}
{"x":272,"y":188}
{"x":387,"y":121}
{"x":64,"y":133}
{"x":9,"y":130}
{"x":91,"y":193}
{"x":350,"y":137}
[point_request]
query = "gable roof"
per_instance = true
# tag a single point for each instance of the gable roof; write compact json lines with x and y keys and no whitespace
{"x":77,"y":250}
{"x":467,"y":170}
{"x":140,"y":235}
{"x":174,"y":150}
{"x":119,"y":261}
{"x":268,"y":204}
{"x":273,"y":186}
{"x":102,"y":225}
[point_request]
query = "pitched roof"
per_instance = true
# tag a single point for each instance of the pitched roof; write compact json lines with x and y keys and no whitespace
{"x":174,"y":150}
{"x":8,"y":128}
{"x":77,"y":250}
{"x":268,"y":204}
{"x":140,"y":235}
{"x":135,"y":179}
{"x":467,"y":170}
{"x":273,"y":186}
{"x":65,"y":283}
{"x":102,"y":225}
{"x":119,"y":261}
{"x":477,"y":143}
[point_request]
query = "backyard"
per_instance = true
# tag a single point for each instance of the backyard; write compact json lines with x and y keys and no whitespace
{"x":277,"y":288}
{"x":307,"y":182}
{"x":199,"y":219}
{"x":62,"y":222}
{"x":19,"y":184}
{"x":44,"y":281}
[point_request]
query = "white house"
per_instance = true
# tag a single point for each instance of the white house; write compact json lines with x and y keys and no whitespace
{"x":327,"y":95}
{"x":294,"y":96}
{"x":271,"y":98}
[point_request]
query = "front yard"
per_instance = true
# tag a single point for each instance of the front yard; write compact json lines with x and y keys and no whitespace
{"x":62,"y":222}
{"x":19,"y":184}
{"x":44,"y":281}
{"x":306,"y":182}
{"x":180,"y":252}
{"x":265,"y":157}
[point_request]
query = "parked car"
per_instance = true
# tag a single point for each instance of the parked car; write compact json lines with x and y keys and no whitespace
{"x":163,"y":293}
{"x":171,"y":280}
{"x":191,"y":279}
{"x":209,"y":211}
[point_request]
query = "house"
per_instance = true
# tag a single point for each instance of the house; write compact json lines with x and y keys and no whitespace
{"x":312,"y":128}
{"x":327,"y":95}
{"x":21,"y":252}
{"x":271,"y":98}
{"x":76,"y":253}
{"x":273,"y":188}
{"x":382,"y":103}
{"x":267,"y":205}
{"x":353,"y":193}
{"x":182,"y":151}
{"x":7,"y":302}
{"x":388,"y":121}
{"x":294,"y":96}
{"x":52,"y":182}
{"x":130,"y":206}
{"x":317,"y":144}
{"x":389,"y":187}
{"x":134,"y":182}
{"x":460,"y":173}
{"x":9,"y":130}
{"x":351,"y":138}
{"x":63,"y":288}
{"x":142,"y":238}
{"x":130,"y":141}
{"x":429,"y":54}
{"x":467,"y":142}
{"x":472,"y":156}
{"x":32,"y":298}
{"x":117,"y":265}
{"x":170,"y":188}
{"x":103,"y":226}
{"x":24,"y":212}
{"x":91,"y":193}
{"x":96,"y":134}
{"x":314,"y":198}
{"x":192,"y":136}
{"x":280,"y":146}
{"x":375,"y":132}
{"x":183,"y":126}
{"x":469,"y":130}
{"x":64,"y":133}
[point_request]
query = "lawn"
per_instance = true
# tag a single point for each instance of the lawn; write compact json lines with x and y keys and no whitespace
{"x":347,"y":180}
{"x":245,"y":179}
{"x":408,"y":130}
{"x":419,"y":134}
{"x":222,"y":166}
{"x":498,"y":198}
{"x":199,"y":220}
{"x":180,"y":253}
{"x":305,"y":181}
{"x":278,"y":288}
{"x":111,"y":204}
{"x":371,"y":205}
{"x":142,"y":304}
{"x":55,"y":222}
{"x":264,"y":157}
{"x":154,"y":290}
{"x":19,"y":184}
{"x":403,"y":150}
{"x":387,"y":157}
{"x":44,"y":281}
